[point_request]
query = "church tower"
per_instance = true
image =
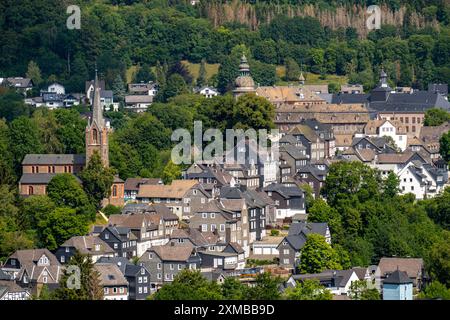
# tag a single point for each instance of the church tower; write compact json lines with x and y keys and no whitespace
{"x":97,"y":130}
{"x":244,"y":82}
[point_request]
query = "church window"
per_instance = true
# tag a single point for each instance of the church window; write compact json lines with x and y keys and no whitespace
{"x":30,"y":190}
{"x":114,"y":193}
{"x":94,"y":136}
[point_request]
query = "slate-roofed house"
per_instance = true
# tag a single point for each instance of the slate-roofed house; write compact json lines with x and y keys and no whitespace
{"x":143,"y":88}
{"x":202,"y":241}
{"x":21,"y":84}
{"x":311,"y":176}
{"x":414,"y":268}
{"x":170,"y":195}
{"x":194,"y":199}
{"x":289,"y":200}
{"x":389,"y":128}
{"x":9,"y":290}
{"x":397,"y":286}
{"x":422,"y":179}
{"x":165,"y":262}
{"x":138,"y":277}
{"x":113,"y":282}
{"x":138,"y":103}
{"x":121,"y":239}
{"x":33,"y":268}
{"x":377,"y":144}
{"x":257,"y":207}
{"x":131,"y":186}
{"x":230,"y":259}
{"x":337,"y":281}
{"x":292,"y":157}
{"x":211,"y":176}
{"x":289,"y":248}
{"x":315,"y":146}
{"x":92,"y":246}
{"x":212,"y":217}
{"x":150,"y":228}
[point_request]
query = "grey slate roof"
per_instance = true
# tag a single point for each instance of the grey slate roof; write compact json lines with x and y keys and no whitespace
{"x":54,"y":159}
{"x":38,"y":178}
{"x":397,"y":277}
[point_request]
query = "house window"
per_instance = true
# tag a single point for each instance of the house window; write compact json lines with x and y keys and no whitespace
{"x":158,"y":266}
{"x":213,"y":215}
{"x":213,"y":227}
{"x":159,"y":276}
{"x":44,"y":279}
{"x":204,"y":215}
{"x":180,"y":266}
{"x":142,"y":271}
{"x":67,"y":249}
{"x":167,"y":276}
{"x":286,"y":251}
{"x":171,"y":266}
{"x":222,"y":227}
{"x":140,"y":290}
{"x":285,"y":261}
{"x":115,"y":246}
{"x":63,"y":259}
{"x":114,"y":290}
{"x":204,"y":227}
{"x":121,"y":290}
{"x":202,"y":200}
{"x":145,"y":289}
{"x":140,"y":280}
{"x":150,"y":255}
{"x":106,"y":290}
{"x":30,"y":190}
{"x":114,"y":192}
{"x":106,"y":235}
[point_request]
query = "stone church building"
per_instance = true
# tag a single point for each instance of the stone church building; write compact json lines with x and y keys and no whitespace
{"x":39,"y":169}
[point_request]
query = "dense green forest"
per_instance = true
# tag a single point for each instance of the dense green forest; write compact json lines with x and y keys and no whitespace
{"x":147,"y":34}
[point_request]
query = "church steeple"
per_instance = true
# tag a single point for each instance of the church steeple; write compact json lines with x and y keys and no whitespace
{"x":96,"y":129}
{"x":97,"y":110}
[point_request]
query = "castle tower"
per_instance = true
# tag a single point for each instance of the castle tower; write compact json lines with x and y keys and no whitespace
{"x":97,"y":130}
{"x":244,"y":82}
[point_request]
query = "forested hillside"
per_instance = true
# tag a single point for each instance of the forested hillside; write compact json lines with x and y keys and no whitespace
{"x":153,"y":35}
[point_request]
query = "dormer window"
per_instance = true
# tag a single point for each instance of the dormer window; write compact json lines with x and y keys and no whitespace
{"x":43,"y":260}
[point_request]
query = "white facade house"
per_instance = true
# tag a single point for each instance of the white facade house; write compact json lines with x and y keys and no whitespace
{"x":422,"y":180}
{"x":386,"y":128}
{"x":138,"y":103}
{"x":208,"y":92}
{"x":56,"y":88}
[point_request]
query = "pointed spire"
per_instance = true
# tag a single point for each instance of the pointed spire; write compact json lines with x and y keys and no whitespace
{"x":97,"y":110}
{"x":301,"y":78}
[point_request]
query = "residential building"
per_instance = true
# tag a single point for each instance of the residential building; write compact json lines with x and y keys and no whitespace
{"x":414,"y":268}
{"x":170,"y":195}
{"x":120,"y":239}
{"x":311,"y":176}
{"x":390,"y":128}
{"x":230,"y":259}
{"x":207,"y":92}
{"x":33,"y":268}
{"x":92,"y":246}
{"x":143,"y":88}
{"x":352,"y":88}
{"x":9,"y":290}
{"x":337,"y":281}
{"x":289,"y":248}
{"x":113,"y":282}
{"x":138,"y":277}
{"x":131,"y":186}
{"x":165,"y":262}
{"x":138,"y":103}
{"x":22,"y":85}
{"x":289,"y":200}
{"x":397,"y":286}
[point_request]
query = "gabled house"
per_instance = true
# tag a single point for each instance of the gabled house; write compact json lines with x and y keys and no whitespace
{"x":212,"y":217}
{"x":315,"y":146}
{"x":414,"y":268}
{"x":144,"y":89}
{"x":194,"y":199}
{"x":131,"y":186}
{"x":33,"y":268}
{"x":211,"y":176}
{"x":170,"y":195}
{"x":22,"y":85}
{"x":138,"y":277}
{"x":207,"y":92}
{"x":138,"y":103}
{"x":311,"y":176}
{"x":121,"y":239}
{"x":202,"y":241}
{"x":289,"y":248}
{"x":113,"y":282}
{"x":289,"y":200}
{"x":9,"y":290}
{"x":389,"y":128}
{"x":92,"y":246}
{"x":165,"y":262}
{"x":422,"y":180}
{"x":337,"y":281}
{"x":230,"y":259}
{"x":150,"y":228}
